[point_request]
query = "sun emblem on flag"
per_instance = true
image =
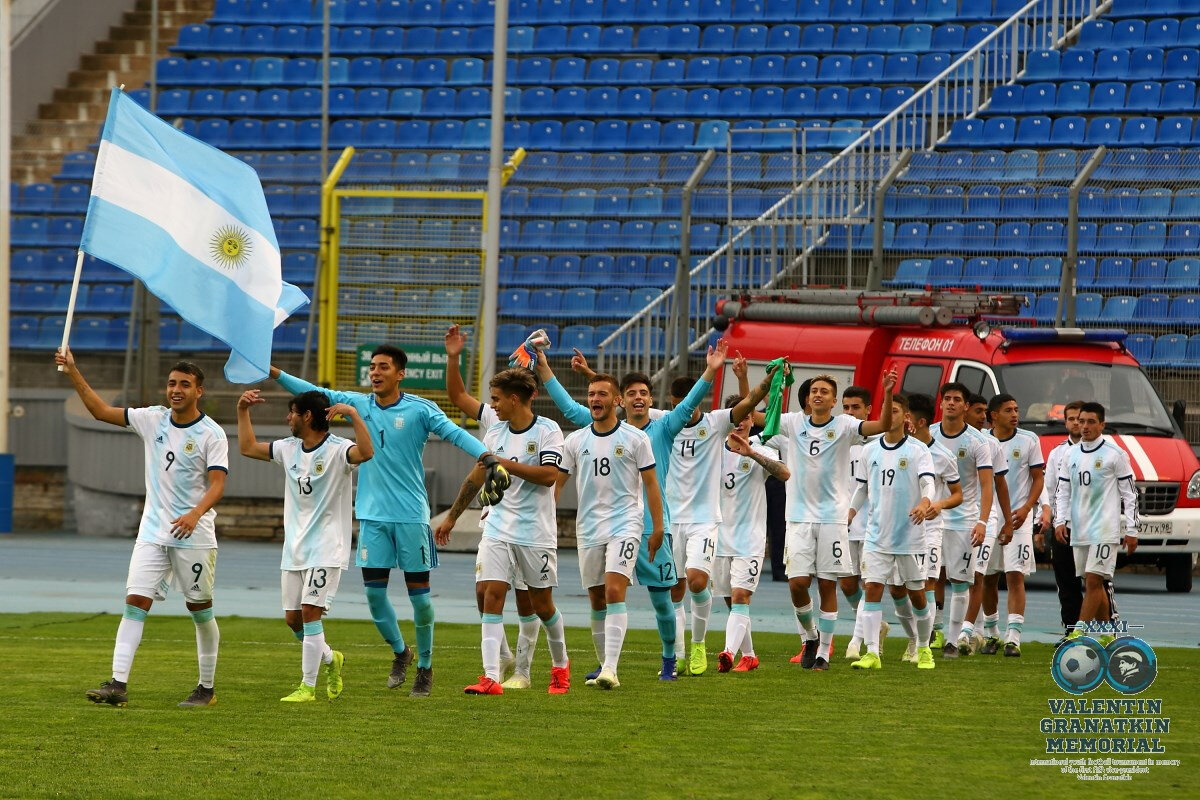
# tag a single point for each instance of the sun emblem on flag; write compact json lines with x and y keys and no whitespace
{"x":230,"y":247}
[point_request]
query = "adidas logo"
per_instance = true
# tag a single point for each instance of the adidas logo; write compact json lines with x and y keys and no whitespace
{"x":586,"y":452}
{"x":624,"y":563}
{"x":500,"y":449}
{"x":314,"y":593}
{"x":195,"y":587}
{"x":159,"y":439}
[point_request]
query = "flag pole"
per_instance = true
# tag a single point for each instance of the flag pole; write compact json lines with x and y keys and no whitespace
{"x":71,"y":305}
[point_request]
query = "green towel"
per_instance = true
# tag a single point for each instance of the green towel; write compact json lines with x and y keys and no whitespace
{"x":781,"y":379}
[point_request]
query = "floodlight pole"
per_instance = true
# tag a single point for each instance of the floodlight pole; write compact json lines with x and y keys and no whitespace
{"x":6,"y":36}
{"x":485,"y":336}
{"x":1065,"y":315}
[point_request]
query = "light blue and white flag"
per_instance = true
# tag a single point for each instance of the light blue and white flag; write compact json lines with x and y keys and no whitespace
{"x":192,"y":223}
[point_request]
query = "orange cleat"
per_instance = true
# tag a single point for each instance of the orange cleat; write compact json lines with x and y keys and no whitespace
{"x":724,"y":661}
{"x":796,"y":659}
{"x":560,"y":679}
{"x":746,"y":664}
{"x":485,"y":686}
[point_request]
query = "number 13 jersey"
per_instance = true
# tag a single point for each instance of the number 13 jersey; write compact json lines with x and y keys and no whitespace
{"x":317,"y":502}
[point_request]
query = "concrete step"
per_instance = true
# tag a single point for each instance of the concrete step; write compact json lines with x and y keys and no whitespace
{"x":95,"y":111}
{"x":93,"y":79}
{"x":115,"y":63}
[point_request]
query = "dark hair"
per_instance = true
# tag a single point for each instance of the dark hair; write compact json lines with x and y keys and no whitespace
{"x":1093,"y":408}
{"x":802,"y":392}
{"x":826,"y":378}
{"x":861,"y":392}
{"x":314,"y":402}
{"x":515,"y":381}
{"x":976,"y":400}
{"x":920,"y":406}
{"x":901,"y":401}
{"x":634,"y":377}
{"x":681,"y":386}
{"x":604,"y":377}
{"x":188,"y":368}
{"x":398,"y":356}
{"x":732,"y":400}
{"x":955,"y":386}
{"x":1074,"y":405}
{"x":999,"y":400}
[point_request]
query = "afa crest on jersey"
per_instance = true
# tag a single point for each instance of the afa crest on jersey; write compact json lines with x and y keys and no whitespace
{"x":744,"y":466}
{"x":319,"y":467}
{"x":1099,"y":463}
{"x":530,"y":447}
{"x":189,"y":446}
{"x":702,"y":432}
{"x":962,"y":452}
{"x":902,"y":463}
{"x":619,"y":451}
{"x":1016,"y":452}
{"x":830,"y":435}
{"x":399,"y":423}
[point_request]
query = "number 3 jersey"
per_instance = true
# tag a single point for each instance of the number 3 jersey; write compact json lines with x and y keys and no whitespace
{"x":608,"y":478}
{"x":178,"y":459}
{"x":526,"y":514}
{"x":317,"y":502}
{"x":744,"y":502}
{"x":892,"y":476}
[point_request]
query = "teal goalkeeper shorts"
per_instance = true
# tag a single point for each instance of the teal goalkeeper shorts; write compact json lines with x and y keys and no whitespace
{"x":659,"y":571}
{"x":390,"y":545}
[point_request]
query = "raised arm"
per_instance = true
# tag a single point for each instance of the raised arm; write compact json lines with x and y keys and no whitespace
{"x":576,"y":413}
{"x":682,"y":413}
{"x":248,"y":443}
{"x":293,"y":385}
{"x":455,"y":342}
{"x":884,"y":423}
{"x":91,"y":401}
{"x":579,"y":363}
{"x":752,"y":398}
{"x":774,"y":468}
{"x":363,"y":448}
{"x":440,"y":424}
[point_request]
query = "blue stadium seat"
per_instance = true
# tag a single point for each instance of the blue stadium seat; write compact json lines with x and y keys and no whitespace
{"x":1170,"y":350}
{"x":1140,"y":346}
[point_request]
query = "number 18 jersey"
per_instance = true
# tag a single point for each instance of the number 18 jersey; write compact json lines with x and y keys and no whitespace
{"x":608,"y":477}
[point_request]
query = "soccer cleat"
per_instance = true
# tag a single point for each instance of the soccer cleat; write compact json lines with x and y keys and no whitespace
{"x":1105,"y":640}
{"x":810,"y":653}
{"x":590,"y":678}
{"x":485,"y":686}
{"x":560,"y":680}
{"x":200,"y":696}
{"x":333,"y":676}
{"x":746,"y":664}
{"x":925,"y":659}
{"x":1075,"y":633}
{"x":854,"y":650}
{"x":724,"y":661}
{"x":884,"y":628}
{"x":868,"y":661}
{"x":303,"y":694}
{"x":949,"y":651}
{"x":668,"y":671}
{"x":991,"y":646}
{"x":109,"y":693}
{"x":607,"y":679}
{"x":423,"y":685}
{"x":938,"y":640}
{"x":965,"y":646}
{"x":910,"y":652}
{"x":1012,"y":650}
{"x":517,"y":681}
{"x":798,"y":658}
{"x":821,"y":664}
{"x":508,"y":668}
{"x":400,"y":668}
{"x":698,"y":663}
{"x":976,"y":642}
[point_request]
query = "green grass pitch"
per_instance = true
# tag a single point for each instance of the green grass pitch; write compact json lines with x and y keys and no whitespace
{"x":775,"y":733}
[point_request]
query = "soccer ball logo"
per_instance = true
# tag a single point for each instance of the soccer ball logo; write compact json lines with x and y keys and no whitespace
{"x":1080,"y":665}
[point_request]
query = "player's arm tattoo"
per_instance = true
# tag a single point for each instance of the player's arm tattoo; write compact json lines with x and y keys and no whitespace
{"x":466,"y":493}
{"x":777,"y":469}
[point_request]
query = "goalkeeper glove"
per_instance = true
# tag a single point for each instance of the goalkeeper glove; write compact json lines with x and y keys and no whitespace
{"x":495,"y":480}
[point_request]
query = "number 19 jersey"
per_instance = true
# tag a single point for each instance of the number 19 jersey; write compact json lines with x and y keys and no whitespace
{"x":819,"y":459}
{"x":892,"y":474}
{"x":608,"y":476}
{"x":317,"y":502}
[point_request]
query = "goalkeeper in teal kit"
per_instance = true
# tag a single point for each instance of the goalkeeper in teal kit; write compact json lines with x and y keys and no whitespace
{"x":391,"y":504}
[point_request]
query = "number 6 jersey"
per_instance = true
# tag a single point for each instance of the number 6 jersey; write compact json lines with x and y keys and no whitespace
{"x":317,"y":502}
{"x":608,"y":475}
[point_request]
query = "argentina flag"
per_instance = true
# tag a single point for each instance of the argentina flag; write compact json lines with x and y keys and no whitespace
{"x":192,"y":223}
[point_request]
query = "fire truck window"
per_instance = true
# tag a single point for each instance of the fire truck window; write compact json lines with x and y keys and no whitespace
{"x":922,"y":379}
{"x":976,"y":380}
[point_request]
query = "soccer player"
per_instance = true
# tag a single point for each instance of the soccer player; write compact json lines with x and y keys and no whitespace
{"x":187,"y":459}
{"x":896,"y":482}
{"x":1026,"y":468}
{"x":1070,"y":591}
{"x":947,"y":494}
{"x":613,"y":464}
{"x":694,"y":502}
{"x":391,"y":504}
{"x":520,"y":533}
{"x":856,"y":401}
{"x":741,"y":545}
{"x":817,"y":450}
{"x":1096,"y":494}
{"x":655,"y":567}
{"x":963,"y":528}
{"x":317,"y":521}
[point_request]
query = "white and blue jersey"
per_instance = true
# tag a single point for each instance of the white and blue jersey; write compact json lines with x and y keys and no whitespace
{"x":662,"y":432}
{"x":608,"y":471}
{"x":1023,"y":453}
{"x":858,"y":525}
{"x":317,"y":500}
{"x":945,"y":472}
{"x":526,"y":514}
{"x":973,"y":452}
{"x":819,"y":459}
{"x":744,"y":502}
{"x":891,"y":474}
{"x":178,"y":460}
{"x":693,"y":485}
{"x":391,"y":486}
{"x":1096,"y":493}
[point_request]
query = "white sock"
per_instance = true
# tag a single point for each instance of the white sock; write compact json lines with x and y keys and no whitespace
{"x":958,"y":610}
{"x":904,"y":613}
{"x":556,"y":637}
{"x":804,"y":621}
{"x":680,"y":627}
{"x":737,"y":627}
{"x":872,"y":618}
{"x":1015,"y":623}
{"x":129,"y":636}
{"x":208,"y":640}
{"x":506,"y":653}
{"x":492,"y":631}
{"x":701,"y":610}
{"x":825,"y":631}
{"x":527,"y":637}
{"x":748,"y":641}
{"x":857,"y":637}
{"x":924,"y":624}
{"x":991,"y":624}
{"x":614,"y":634}
{"x":311,"y":652}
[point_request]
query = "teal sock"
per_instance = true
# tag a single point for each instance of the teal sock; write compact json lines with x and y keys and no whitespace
{"x":201,"y":616}
{"x":854,"y":598}
{"x":664,"y":616}
{"x":423,"y":619}
{"x":313,"y":628}
{"x":740,"y":608}
{"x":384,"y":615}
{"x":299,"y":635}
{"x":701,"y":597}
{"x":135,"y":613}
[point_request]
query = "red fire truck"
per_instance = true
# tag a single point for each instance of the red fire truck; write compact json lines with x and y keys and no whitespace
{"x":930,"y":338}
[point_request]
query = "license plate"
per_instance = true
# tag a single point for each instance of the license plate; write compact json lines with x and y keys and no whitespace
{"x":1154,"y":529}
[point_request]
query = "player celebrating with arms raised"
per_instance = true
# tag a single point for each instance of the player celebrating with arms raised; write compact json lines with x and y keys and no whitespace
{"x":187,"y":459}
{"x":317,"y":521}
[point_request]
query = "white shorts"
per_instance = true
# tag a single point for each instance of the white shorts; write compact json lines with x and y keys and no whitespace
{"x":155,"y":568}
{"x":1098,"y":559}
{"x":1016,"y":556}
{"x":817,"y":548}
{"x":735,"y":572}
{"x":315,"y":586}
{"x":958,"y":555}
{"x":615,"y":555}
{"x":933,"y":551}
{"x":856,"y":553}
{"x":520,"y":566}
{"x":694,"y":546}
{"x":894,"y":569}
